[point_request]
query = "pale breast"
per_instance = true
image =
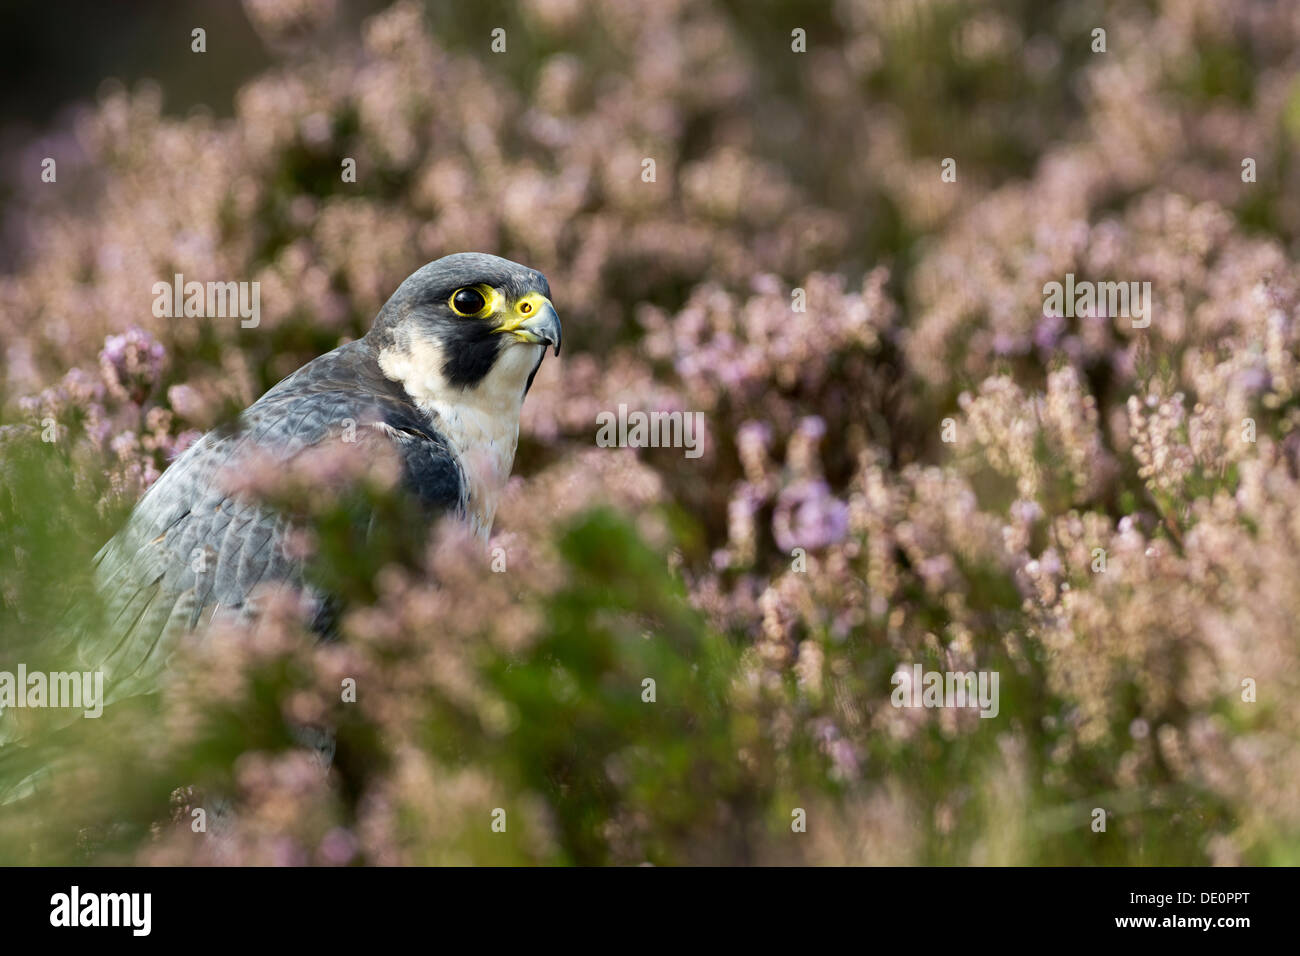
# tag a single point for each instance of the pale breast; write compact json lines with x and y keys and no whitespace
{"x":485,"y":445}
{"x":480,"y":423}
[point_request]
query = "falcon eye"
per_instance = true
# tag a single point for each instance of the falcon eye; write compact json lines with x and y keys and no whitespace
{"x":467,"y":302}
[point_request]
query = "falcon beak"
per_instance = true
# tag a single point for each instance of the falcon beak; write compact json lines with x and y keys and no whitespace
{"x":535,"y":321}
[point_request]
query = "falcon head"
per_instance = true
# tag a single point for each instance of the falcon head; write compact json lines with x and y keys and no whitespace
{"x":468,"y":324}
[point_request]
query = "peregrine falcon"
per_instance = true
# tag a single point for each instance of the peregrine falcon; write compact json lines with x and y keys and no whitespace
{"x":441,"y":375}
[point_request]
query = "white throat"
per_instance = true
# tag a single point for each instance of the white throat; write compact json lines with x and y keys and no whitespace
{"x":481,"y":422}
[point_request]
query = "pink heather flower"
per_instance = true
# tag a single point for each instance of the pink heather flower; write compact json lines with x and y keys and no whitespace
{"x":131,"y":363}
{"x":338,"y":847}
{"x":186,"y":401}
{"x":808,"y":516}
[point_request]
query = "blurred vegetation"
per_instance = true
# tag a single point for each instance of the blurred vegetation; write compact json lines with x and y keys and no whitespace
{"x":524,"y":691}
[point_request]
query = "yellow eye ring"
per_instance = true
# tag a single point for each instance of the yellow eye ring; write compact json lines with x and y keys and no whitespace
{"x":468,"y":302}
{"x":525,"y":308}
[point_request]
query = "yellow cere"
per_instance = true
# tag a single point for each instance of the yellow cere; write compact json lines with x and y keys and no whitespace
{"x":525,"y":308}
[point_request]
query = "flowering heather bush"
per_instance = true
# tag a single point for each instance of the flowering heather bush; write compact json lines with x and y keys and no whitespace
{"x":909,"y":459}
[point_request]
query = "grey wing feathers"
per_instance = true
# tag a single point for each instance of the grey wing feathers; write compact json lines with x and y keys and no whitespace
{"x":191,"y":550}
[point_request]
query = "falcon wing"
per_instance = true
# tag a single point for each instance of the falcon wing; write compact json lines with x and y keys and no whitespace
{"x":192,"y":550}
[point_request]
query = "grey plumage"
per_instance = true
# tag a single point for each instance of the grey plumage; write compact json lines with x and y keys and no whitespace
{"x":193,"y":549}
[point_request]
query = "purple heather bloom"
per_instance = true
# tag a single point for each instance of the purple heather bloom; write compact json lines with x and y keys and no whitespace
{"x":130,"y":363}
{"x":809,"y":516}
